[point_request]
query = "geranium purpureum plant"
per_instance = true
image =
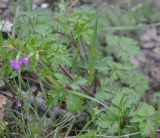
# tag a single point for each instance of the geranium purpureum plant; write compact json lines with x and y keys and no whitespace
{"x":83,"y":88}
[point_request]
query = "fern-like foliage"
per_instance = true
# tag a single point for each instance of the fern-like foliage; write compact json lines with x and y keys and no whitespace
{"x":63,"y":48}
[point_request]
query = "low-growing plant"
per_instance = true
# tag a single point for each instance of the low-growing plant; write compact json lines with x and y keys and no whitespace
{"x":63,"y":51}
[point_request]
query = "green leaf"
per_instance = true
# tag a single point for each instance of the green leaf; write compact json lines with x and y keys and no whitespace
{"x":144,"y":118}
{"x":77,"y":82}
{"x":145,"y":110}
{"x":122,"y":47}
{"x":56,"y":96}
{"x":63,"y":80}
{"x":109,"y":122}
{"x":37,"y":22}
{"x":58,"y":55}
{"x":102,"y":96}
{"x":137,"y":81}
{"x":147,"y":127}
{"x":74,"y":103}
{"x":118,"y":99}
{"x":137,"y":119}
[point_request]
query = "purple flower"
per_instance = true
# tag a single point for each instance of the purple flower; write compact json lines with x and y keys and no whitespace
{"x":15,"y":64}
{"x":25,"y":61}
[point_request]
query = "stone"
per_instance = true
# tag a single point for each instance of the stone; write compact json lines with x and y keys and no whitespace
{"x":6,"y":26}
{"x":3,"y":4}
{"x":44,"y":5}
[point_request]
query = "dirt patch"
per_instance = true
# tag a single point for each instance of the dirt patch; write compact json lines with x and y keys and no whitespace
{"x":150,"y":44}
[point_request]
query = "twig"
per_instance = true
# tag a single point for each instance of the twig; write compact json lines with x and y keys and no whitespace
{"x":83,"y":88}
{"x":72,"y":5}
{"x":70,"y":76}
{"x":63,"y":34}
{"x":67,"y":73}
{"x":4,"y":93}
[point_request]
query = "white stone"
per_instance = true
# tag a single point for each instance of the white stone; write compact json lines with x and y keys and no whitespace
{"x":5,"y":26}
{"x":44,"y":5}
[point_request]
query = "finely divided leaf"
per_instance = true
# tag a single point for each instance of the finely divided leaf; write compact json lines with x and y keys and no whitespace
{"x":74,"y":103}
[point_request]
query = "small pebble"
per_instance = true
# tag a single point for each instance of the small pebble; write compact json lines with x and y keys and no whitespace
{"x":44,"y":5}
{"x":6,"y":26}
